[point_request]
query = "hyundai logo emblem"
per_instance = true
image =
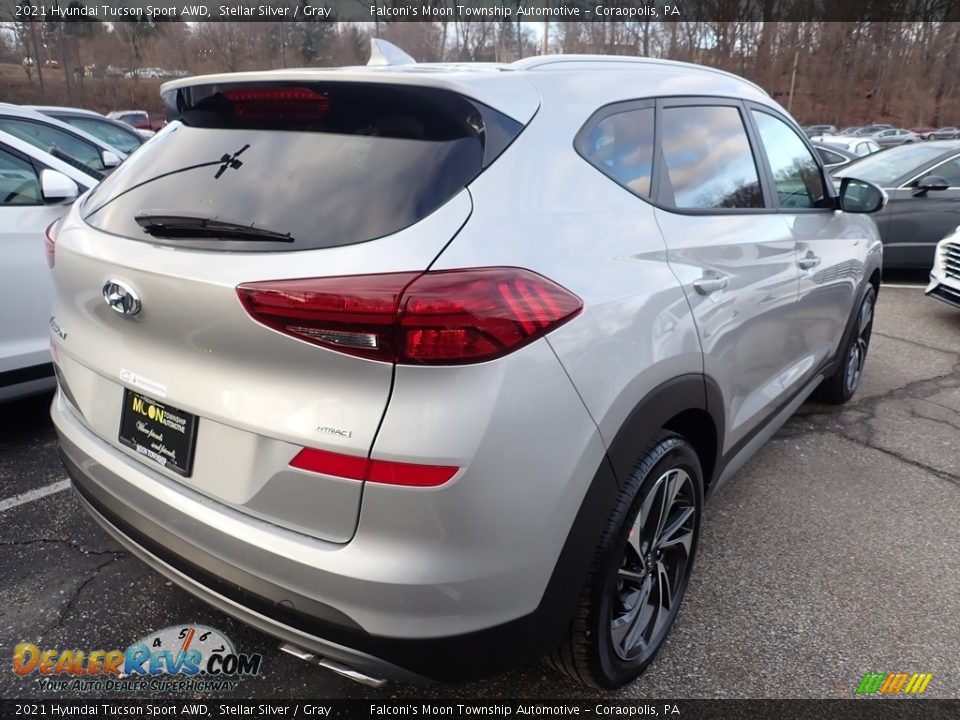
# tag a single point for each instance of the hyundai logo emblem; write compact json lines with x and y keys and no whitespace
{"x":121,"y":297}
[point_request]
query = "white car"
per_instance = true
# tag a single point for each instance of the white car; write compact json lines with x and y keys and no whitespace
{"x":36,"y":189}
{"x":74,"y":146}
{"x":113,"y":132}
{"x":945,"y":275}
{"x":851,"y":143}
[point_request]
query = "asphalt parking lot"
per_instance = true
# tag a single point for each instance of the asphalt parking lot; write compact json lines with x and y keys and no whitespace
{"x":833,"y":553}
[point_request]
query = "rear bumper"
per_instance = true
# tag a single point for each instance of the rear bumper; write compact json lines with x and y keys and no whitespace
{"x":376,"y":618}
{"x":947,"y":294}
{"x":191,"y":575}
{"x":276,"y":611}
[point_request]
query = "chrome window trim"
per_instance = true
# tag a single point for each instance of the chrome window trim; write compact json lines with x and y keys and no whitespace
{"x":906,"y":185}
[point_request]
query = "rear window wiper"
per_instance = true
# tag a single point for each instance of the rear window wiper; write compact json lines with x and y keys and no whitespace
{"x":166,"y":225}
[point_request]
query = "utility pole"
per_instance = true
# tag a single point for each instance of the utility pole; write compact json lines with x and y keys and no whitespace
{"x":519,"y":36}
{"x":64,"y":61}
{"x":793,"y":80}
{"x":545,"y":40}
{"x":38,"y":64}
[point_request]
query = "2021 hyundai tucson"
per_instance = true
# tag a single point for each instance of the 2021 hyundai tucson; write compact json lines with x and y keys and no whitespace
{"x":428,"y":369}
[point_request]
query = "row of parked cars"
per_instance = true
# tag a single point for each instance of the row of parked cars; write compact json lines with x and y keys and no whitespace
{"x":433,"y":376}
{"x":886,"y":134}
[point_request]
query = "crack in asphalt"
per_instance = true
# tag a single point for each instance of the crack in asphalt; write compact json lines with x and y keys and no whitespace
{"x":58,"y":541}
{"x":855,"y":422}
{"x":64,"y":612}
{"x":941,"y":474}
{"x":935,"y":348}
{"x":916,"y":414}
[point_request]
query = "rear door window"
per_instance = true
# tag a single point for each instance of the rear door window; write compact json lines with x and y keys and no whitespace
{"x":306,"y":166}
{"x":110,"y":133}
{"x":80,"y":153}
{"x":709,"y":163}
{"x":830,"y":158}
{"x":19,"y":183}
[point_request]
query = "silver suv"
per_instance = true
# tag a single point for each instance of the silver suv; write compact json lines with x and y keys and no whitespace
{"x":427,"y":370}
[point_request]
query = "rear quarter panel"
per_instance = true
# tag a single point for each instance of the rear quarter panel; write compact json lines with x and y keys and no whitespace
{"x":541,"y":206}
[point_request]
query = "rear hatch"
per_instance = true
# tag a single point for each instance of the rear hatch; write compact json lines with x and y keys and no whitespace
{"x":257,"y":181}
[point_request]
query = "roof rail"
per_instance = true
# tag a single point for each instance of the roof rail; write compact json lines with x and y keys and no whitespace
{"x":534,"y":63}
{"x":383,"y":54}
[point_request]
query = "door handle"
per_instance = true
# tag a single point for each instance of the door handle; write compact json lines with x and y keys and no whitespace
{"x":808,"y":261}
{"x":710,"y":283}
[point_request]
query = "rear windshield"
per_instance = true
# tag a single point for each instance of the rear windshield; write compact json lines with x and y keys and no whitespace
{"x":282,"y":167}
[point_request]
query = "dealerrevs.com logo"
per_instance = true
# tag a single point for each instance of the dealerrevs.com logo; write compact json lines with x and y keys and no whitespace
{"x":183,"y":657}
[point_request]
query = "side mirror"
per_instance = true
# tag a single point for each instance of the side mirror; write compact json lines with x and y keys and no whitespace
{"x":110,"y":160}
{"x":931,"y":182}
{"x":860,"y":196}
{"x":55,"y":187}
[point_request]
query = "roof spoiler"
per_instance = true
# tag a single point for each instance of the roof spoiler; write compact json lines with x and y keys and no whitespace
{"x":383,"y":53}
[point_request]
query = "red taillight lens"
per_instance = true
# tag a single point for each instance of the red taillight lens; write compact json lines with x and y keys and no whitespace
{"x":378,"y":471}
{"x":354,"y":313}
{"x":279,"y":103}
{"x":460,"y":316}
{"x":50,"y":243}
{"x":447,"y":317}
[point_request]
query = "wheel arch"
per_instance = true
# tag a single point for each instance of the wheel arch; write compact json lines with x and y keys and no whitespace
{"x":698,"y":428}
{"x":689,"y":405}
{"x":874,"y":282}
{"x":679,"y":405}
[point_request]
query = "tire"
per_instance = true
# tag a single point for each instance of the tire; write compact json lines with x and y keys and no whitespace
{"x":841,"y":386}
{"x":625,"y":612}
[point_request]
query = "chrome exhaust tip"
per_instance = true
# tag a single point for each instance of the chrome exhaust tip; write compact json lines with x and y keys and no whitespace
{"x":339,"y":668}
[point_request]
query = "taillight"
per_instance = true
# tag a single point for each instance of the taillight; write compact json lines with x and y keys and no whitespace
{"x":378,"y":471}
{"x":447,"y":317}
{"x":355,"y":313}
{"x":50,"y":243}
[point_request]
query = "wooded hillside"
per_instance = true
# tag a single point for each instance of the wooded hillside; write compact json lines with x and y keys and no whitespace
{"x":847,"y":73}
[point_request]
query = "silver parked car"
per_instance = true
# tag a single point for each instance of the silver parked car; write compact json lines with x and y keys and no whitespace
{"x":945,"y":274}
{"x":428,"y":371}
{"x":945,"y":133}
{"x":895,"y":136}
